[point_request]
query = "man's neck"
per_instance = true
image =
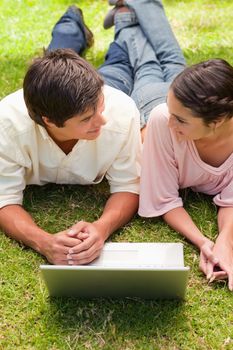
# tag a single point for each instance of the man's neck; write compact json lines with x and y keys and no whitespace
{"x":65,"y":145}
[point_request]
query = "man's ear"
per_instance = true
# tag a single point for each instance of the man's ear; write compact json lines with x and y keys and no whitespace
{"x":47,"y":122}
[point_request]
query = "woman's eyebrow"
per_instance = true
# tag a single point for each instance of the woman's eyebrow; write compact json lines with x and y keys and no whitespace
{"x":178,"y":117}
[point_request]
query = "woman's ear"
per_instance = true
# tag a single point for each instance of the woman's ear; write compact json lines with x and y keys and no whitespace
{"x":216,"y":124}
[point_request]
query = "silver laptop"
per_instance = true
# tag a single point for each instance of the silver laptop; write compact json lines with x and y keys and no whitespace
{"x":145,"y":270}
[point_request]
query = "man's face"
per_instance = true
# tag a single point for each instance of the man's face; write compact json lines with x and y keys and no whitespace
{"x":86,"y":126}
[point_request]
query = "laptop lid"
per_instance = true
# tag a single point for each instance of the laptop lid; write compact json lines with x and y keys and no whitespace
{"x":146,"y":270}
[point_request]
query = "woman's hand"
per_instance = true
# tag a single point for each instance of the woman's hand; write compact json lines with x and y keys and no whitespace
{"x":223,"y":251}
{"x":207,"y":258}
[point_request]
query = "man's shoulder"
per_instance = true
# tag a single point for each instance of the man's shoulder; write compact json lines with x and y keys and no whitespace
{"x":117,"y":95}
{"x":120,"y":109}
{"x":13,"y":112}
{"x":14,"y":98}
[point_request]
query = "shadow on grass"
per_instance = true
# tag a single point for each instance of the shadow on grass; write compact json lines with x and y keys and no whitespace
{"x":131,"y":318}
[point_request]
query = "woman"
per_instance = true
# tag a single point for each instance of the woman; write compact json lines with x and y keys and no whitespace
{"x":189,"y":143}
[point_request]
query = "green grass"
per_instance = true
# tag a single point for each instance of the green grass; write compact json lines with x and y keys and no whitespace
{"x":29,"y":318}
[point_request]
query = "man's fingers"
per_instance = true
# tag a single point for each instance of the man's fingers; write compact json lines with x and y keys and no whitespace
{"x":82,"y":235}
{"x":85,"y":254}
{"x":72,"y":243}
{"x":84,"y":245}
{"x":78,"y":227}
{"x":69,"y":242}
{"x":76,"y":260}
{"x":60,"y":258}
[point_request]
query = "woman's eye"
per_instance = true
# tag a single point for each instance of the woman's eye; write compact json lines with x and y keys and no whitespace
{"x":180,"y":121}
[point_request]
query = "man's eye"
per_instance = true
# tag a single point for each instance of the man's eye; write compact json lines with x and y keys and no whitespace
{"x":86,"y":120}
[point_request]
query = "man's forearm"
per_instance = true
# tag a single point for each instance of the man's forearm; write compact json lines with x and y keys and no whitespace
{"x":118,"y":211}
{"x":19,"y":225}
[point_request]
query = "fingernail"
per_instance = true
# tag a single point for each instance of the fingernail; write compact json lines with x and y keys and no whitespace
{"x":215,"y":260}
{"x":212,"y":279}
{"x":70,"y":262}
{"x":231,"y":288}
{"x":71,"y":232}
{"x":70,"y":251}
{"x":69,"y":257}
{"x":209,"y":276}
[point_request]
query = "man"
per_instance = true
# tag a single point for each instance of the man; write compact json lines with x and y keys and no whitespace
{"x":68,"y":128}
{"x":64,"y":143}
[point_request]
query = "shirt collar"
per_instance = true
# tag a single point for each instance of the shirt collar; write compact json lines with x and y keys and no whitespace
{"x":43,"y":132}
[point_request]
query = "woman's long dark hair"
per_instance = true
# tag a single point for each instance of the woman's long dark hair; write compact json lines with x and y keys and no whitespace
{"x":206,"y":89}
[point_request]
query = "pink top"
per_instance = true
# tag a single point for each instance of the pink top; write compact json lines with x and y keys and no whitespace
{"x":169,"y":165}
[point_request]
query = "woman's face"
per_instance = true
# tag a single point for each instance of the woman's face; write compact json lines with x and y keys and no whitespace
{"x":183,"y":123}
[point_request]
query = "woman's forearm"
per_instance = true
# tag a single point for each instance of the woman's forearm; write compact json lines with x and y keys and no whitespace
{"x":181,"y":222}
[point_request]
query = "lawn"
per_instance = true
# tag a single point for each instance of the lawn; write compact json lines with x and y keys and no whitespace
{"x":30,"y":320}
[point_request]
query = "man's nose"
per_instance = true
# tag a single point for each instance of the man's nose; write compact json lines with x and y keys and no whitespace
{"x":100,"y":120}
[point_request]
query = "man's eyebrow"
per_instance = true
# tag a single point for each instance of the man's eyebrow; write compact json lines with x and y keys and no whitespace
{"x":92,"y":113}
{"x":89,"y":115}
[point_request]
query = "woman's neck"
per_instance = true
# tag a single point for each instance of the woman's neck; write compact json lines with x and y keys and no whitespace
{"x":216,"y":148}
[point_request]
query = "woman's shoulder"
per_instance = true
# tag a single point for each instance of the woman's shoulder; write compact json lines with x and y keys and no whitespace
{"x":159,"y":114}
{"x":158,"y":119}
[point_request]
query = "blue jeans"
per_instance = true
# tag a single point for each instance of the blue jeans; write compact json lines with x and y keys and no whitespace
{"x":144,"y":57}
{"x":68,"y":32}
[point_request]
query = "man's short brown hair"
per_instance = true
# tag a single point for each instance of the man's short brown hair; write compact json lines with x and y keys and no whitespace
{"x":60,"y":85}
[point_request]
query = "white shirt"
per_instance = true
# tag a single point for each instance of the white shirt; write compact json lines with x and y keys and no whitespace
{"x":28,"y":155}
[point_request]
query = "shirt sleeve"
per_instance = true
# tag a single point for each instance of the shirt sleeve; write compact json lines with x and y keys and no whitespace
{"x":159,"y":190}
{"x":225,"y":198}
{"x":12,"y":178}
{"x":124,"y":173}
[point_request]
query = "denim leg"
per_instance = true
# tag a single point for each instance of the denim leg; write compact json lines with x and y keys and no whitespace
{"x":155,"y":25}
{"x":132,"y":66}
{"x":68,"y":32}
{"x":153,"y":52}
{"x":116,"y":70}
{"x":149,"y":88}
